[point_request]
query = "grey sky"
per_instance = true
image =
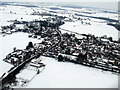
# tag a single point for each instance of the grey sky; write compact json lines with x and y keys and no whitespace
{"x":59,"y":0}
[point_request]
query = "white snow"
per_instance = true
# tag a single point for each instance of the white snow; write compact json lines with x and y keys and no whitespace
{"x":107,"y":15}
{"x":8,"y":13}
{"x":4,"y":67}
{"x":19,"y":40}
{"x":7,"y":43}
{"x":69,"y":75}
{"x":97,"y":29}
{"x":24,"y":74}
{"x":56,"y":74}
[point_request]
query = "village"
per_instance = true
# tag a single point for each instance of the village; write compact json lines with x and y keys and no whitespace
{"x":98,"y":52}
{"x":85,"y":49}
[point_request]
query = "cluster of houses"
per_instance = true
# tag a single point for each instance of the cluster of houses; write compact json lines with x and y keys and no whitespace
{"x":33,"y":27}
{"x":37,"y":29}
{"x":88,"y":50}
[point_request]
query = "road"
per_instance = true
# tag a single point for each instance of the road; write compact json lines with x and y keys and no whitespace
{"x":12,"y":73}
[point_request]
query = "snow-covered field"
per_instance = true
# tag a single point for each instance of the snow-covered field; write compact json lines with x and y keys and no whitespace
{"x":96,"y":28}
{"x":57,"y":74}
{"x":4,"y":67}
{"x":20,"y":13}
{"x":18,"y":40}
{"x":68,"y":75}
